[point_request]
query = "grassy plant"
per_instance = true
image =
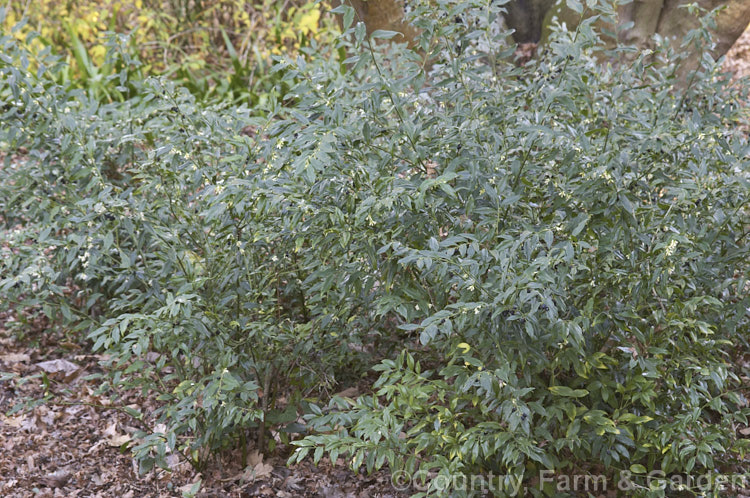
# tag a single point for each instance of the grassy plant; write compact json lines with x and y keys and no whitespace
{"x":218,"y":49}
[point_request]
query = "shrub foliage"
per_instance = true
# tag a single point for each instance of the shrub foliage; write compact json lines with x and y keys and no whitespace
{"x":546,"y":265}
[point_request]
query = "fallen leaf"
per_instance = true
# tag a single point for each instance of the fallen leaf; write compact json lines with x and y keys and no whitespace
{"x":173,"y":461}
{"x":254,"y":458}
{"x":14,"y":358}
{"x":61,"y":367}
{"x":191,"y":489}
{"x":292,"y":483}
{"x":29,"y":424}
{"x":111,"y":430}
{"x":152,"y":357}
{"x":56,"y":479}
{"x":351,"y":392}
{"x":73,"y":409}
{"x":10,"y":484}
{"x":115,"y":438}
{"x":48,"y":416}
{"x":255,"y":468}
{"x":118,"y":440}
{"x":262,"y":470}
{"x":15,"y":422}
{"x":95,"y":447}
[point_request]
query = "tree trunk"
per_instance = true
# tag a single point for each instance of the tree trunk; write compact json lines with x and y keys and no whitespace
{"x":531,"y":19}
{"x":526,"y":18}
{"x":382,"y":14}
{"x":669,"y":19}
{"x":730,"y":23}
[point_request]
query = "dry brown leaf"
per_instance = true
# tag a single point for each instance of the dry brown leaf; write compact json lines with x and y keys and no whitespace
{"x":431,"y":169}
{"x":115,"y":438}
{"x":73,"y":409}
{"x":292,"y":482}
{"x":11,"y":358}
{"x":29,"y":424}
{"x":351,"y":392}
{"x":111,"y":430}
{"x":189,"y":487}
{"x":95,"y":446}
{"x":118,"y":440}
{"x":47,"y":416}
{"x":262,"y":470}
{"x":61,"y":367}
{"x":254,"y":458}
{"x":173,"y":461}
{"x":14,"y":422}
{"x":56,"y":479}
{"x":9,"y":484}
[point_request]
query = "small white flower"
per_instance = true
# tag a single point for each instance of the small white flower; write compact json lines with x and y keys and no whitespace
{"x":671,"y":247}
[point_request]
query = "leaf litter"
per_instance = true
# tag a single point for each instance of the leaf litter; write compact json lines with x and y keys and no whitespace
{"x":76,"y":442}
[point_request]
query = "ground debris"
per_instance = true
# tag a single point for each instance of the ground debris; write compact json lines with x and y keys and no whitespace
{"x":76,"y":444}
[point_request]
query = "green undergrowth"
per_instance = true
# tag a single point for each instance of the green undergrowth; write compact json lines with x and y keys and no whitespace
{"x":544,"y":266}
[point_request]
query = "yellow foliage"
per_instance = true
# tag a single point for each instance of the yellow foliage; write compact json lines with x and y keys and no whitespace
{"x":309,"y":22}
{"x":169,"y":36}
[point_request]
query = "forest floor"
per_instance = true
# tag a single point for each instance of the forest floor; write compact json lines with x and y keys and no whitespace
{"x":77,"y":443}
{"x":738,"y":57}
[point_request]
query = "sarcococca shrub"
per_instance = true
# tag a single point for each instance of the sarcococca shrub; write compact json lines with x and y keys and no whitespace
{"x":545,"y":265}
